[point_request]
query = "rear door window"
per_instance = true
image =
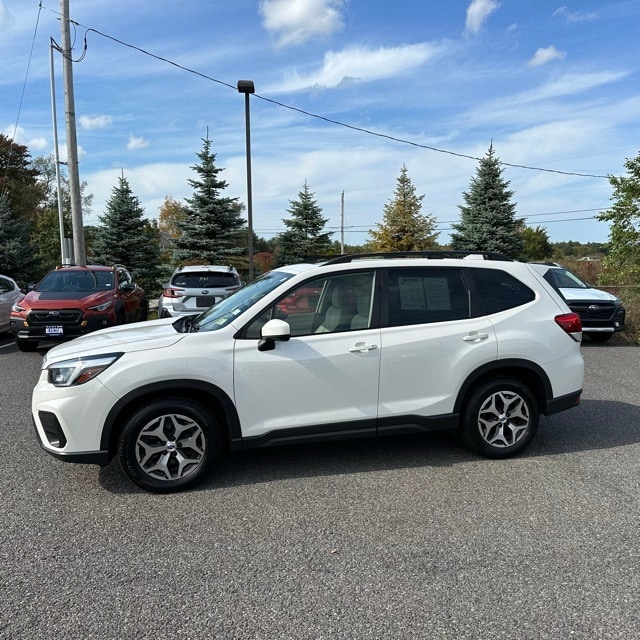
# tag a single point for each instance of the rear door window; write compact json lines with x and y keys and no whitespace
{"x":426,"y":295}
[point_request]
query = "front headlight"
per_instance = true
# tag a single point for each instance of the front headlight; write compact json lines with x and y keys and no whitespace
{"x":102,"y":307}
{"x":79,"y":370}
{"x":17,"y":308}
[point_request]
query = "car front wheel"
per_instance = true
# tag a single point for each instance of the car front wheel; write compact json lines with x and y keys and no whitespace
{"x":501,"y":419}
{"x":169,"y":445}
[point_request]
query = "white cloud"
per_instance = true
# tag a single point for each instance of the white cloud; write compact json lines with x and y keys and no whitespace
{"x":545,"y":55}
{"x":6,"y":19}
{"x":477,"y":13}
{"x":295,"y":21}
{"x":137,"y":143}
{"x":38,"y":144}
{"x":574,"y":16}
{"x":358,"y":64}
{"x":95,"y":122}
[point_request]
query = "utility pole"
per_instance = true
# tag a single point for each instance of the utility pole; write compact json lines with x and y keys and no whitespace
{"x":72,"y":141}
{"x":342,"y":224}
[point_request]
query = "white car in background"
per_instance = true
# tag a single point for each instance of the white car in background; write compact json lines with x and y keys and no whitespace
{"x":602,"y":314}
{"x":195,"y":288}
{"x":9,"y":294}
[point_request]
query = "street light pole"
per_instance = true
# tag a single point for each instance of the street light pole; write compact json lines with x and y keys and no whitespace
{"x":246,"y":87}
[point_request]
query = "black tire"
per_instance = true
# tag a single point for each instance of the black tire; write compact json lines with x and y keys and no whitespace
{"x":600,"y":337}
{"x":27,"y":345}
{"x":500,"y":419}
{"x":155,"y":459}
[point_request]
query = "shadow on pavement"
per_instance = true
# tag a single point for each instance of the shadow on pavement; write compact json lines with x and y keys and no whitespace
{"x":595,"y":424}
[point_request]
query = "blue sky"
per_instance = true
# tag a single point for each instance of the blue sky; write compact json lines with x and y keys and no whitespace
{"x":554,"y":85}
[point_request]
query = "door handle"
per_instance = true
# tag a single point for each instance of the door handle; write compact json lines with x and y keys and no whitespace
{"x":362,"y":347}
{"x":474,"y":336}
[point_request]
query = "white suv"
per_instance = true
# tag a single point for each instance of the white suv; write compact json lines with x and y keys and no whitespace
{"x":358,"y":346}
{"x":194,"y":288}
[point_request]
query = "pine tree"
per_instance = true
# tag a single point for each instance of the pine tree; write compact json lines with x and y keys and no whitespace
{"x":403,"y":227}
{"x":305,"y":236}
{"x":124,"y":237}
{"x":488,"y":221}
{"x":211,"y":231}
{"x":18,"y":257}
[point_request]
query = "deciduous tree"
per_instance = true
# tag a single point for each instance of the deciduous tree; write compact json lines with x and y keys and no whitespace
{"x":622,"y":264}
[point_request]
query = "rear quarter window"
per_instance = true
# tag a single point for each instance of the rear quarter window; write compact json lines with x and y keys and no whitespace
{"x":499,"y":290}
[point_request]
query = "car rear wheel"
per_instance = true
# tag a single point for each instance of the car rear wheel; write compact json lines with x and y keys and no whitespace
{"x":27,"y":345}
{"x":169,"y":445}
{"x":501,"y":419}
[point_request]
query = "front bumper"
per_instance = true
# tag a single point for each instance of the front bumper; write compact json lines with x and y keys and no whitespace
{"x":22,"y":330}
{"x":69,"y":421}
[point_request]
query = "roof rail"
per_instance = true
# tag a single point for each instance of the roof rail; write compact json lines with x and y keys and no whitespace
{"x":432,"y":255}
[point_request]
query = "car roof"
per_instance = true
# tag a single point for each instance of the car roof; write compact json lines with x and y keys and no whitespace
{"x":203,"y":267}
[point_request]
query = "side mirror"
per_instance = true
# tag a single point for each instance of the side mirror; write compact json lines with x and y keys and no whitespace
{"x":274,"y":330}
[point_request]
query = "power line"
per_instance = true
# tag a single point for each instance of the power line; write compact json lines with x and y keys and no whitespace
{"x":324,"y":118}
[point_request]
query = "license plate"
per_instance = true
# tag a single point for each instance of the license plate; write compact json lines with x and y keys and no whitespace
{"x":54,"y":330}
{"x":205,"y":302}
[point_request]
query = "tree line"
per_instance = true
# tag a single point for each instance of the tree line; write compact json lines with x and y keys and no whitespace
{"x":209,"y":226}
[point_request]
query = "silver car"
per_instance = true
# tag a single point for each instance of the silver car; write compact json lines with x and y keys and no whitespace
{"x":193,"y":289}
{"x":9,"y":294}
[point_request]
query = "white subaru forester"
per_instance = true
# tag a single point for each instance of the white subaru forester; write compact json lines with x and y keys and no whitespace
{"x":358,"y":346}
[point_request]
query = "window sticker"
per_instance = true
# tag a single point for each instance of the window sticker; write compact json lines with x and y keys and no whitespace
{"x":438,"y":298}
{"x":411,"y":294}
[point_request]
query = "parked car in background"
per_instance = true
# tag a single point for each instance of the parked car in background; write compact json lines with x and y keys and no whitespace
{"x":72,"y":301}
{"x":379,"y":345}
{"x":193,"y":289}
{"x":9,"y":294}
{"x":602,"y":314}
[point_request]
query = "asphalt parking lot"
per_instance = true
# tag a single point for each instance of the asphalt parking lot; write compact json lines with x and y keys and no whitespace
{"x":391,"y":539}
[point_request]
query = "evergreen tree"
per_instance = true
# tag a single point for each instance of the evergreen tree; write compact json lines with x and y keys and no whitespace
{"x":125,"y":237}
{"x":403,"y":227}
{"x":622,"y":264}
{"x":18,"y":257}
{"x":488,"y":221}
{"x":305,"y":236}
{"x":211,"y":231}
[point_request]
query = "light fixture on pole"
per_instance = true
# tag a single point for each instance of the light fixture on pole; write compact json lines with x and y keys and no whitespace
{"x":246,"y":87}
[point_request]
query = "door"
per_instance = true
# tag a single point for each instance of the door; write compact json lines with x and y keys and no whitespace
{"x":430,"y":344}
{"x":325,"y":378}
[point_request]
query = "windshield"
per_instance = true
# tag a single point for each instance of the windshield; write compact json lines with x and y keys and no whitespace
{"x":221,"y":314}
{"x":564,"y":279}
{"x":77,"y":280}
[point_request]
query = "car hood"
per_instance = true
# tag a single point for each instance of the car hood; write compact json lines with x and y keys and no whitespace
{"x":154,"y":334}
{"x":58,"y":299}
{"x":595,"y":295}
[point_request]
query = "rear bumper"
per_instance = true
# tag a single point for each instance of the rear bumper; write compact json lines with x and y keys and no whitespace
{"x":556,"y":405}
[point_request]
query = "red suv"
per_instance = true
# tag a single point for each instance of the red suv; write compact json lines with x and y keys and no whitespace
{"x":71,"y":301}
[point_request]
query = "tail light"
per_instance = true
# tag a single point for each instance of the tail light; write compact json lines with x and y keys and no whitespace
{"x":230,"y":289}
{"x":173,"y":293}
{"x":570,"y":322}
